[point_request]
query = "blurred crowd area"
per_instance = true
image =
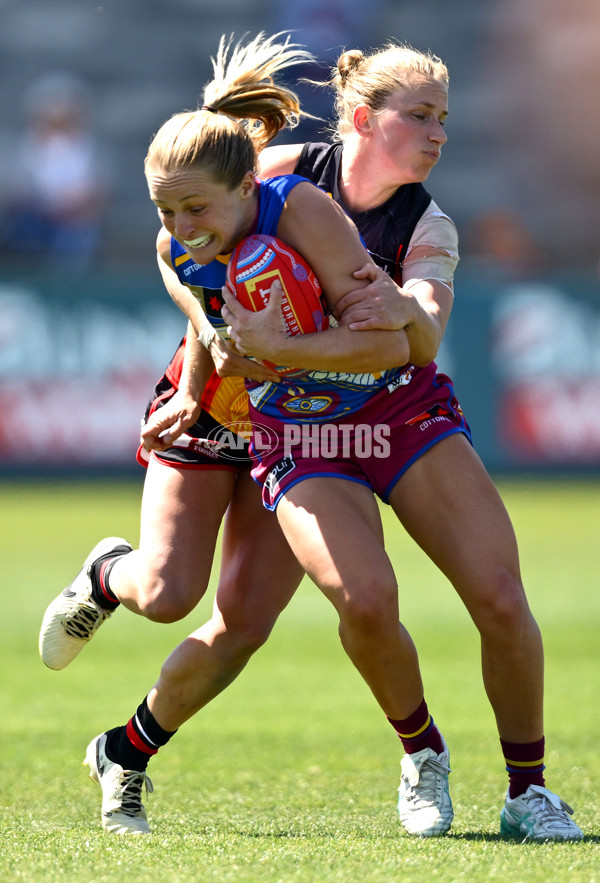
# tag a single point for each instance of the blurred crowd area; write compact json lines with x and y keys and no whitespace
{"x":86,"y":84}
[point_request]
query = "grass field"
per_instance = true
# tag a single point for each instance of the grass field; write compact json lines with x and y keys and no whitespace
{"x":291,"y":774}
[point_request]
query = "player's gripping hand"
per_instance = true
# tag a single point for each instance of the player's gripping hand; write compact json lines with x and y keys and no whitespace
{"x":381,"y":305}
{"x":169,"y":422}
{"x":256,"y":334}
{"x":229,"y":363}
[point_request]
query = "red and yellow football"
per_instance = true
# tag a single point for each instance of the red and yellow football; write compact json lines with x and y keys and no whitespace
{"x":253,"y":267}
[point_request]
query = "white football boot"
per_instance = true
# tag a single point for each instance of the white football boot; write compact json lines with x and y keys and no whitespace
{"x":538,"y":815}
{"x":424,"y":803}
{"x":122,"y":808}
{"x":73,"y":617}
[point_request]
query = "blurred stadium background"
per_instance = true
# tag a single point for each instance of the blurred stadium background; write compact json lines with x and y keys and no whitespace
{"x":86,"y":329}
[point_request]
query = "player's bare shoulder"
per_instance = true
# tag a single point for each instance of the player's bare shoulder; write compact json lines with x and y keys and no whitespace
{"x":278,"y":160}
{"x":163,"y":246}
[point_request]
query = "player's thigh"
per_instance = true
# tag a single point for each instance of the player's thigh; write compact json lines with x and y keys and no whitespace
{"x":448,"y":503}
{"x":182,"y":510}
{"x":334,"y":527}
{"x":259,"y":572}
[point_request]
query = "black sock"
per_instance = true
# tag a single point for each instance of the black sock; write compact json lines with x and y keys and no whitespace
{"x":99,"y":575}
{"x":134,"y":744}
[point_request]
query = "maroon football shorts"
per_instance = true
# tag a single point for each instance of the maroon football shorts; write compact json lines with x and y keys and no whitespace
{"x":373,"y":446}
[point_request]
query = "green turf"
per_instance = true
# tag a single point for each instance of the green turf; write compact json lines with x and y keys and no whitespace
{"x":291,"y":774}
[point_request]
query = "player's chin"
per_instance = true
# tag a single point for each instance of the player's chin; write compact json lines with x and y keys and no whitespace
{"x":426,"y":168}
{"x":421,"y":174}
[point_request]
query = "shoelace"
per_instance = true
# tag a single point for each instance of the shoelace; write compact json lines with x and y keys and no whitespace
{"x":430,"y":786}
{"x":83,"y":622}
{"x":548,"y":813}
{"x":131,"y":784}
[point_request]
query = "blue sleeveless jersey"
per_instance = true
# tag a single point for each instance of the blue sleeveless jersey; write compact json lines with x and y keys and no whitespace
{"x":385,"y":231}
{"x":206,"y":280}
{"x":317,"y":395}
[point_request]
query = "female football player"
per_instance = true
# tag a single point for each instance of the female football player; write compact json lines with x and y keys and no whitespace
{"x":391,"y":107}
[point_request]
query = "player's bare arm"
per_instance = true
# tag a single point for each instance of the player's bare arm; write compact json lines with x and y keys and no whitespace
{"x":229,"y":363}
{"x":179,"y":293}
{"x":201,"y":334}
{"x":422,"y":311}
{"x":166,"y":424}
{"x":278,"y":160}
{"x":332,"y":247}
{"x":263,"y":335}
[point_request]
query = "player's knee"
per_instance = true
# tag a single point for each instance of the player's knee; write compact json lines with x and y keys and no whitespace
{"x":505,"y":609}
{"x":165,"y":602}
{"x":166,"y":610}
{"x":248,"y":632}
{"x":370,"y":609}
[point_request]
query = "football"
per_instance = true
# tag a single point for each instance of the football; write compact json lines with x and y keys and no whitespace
{"x":253,"y":267}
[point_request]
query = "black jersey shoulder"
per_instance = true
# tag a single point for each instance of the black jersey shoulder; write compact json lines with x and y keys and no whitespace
{"x":386,"y":229}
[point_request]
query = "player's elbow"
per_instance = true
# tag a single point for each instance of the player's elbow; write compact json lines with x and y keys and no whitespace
{"x":421,"y":356}
{"x":424,"y":343}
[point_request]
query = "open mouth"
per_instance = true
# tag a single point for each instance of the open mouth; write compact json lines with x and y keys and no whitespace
{"x":200,"y":242}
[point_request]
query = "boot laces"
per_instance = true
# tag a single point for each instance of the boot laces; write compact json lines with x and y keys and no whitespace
{"x":83,"y":622}
{"x":432,"y":778}
{"x":129,"y":791}
{"x":546,"y":812}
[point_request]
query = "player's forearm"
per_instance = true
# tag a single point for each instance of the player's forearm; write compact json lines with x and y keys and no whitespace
{"x":433,"y":304}
{"x":197,"y":366}
{"x":424,"y":337}
{"x":188,"y":304}
{"x":340,"y":349}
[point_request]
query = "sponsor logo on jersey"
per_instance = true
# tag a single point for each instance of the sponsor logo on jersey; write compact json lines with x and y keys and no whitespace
{"x":361,"y":380}
{"x":402,"y":380}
